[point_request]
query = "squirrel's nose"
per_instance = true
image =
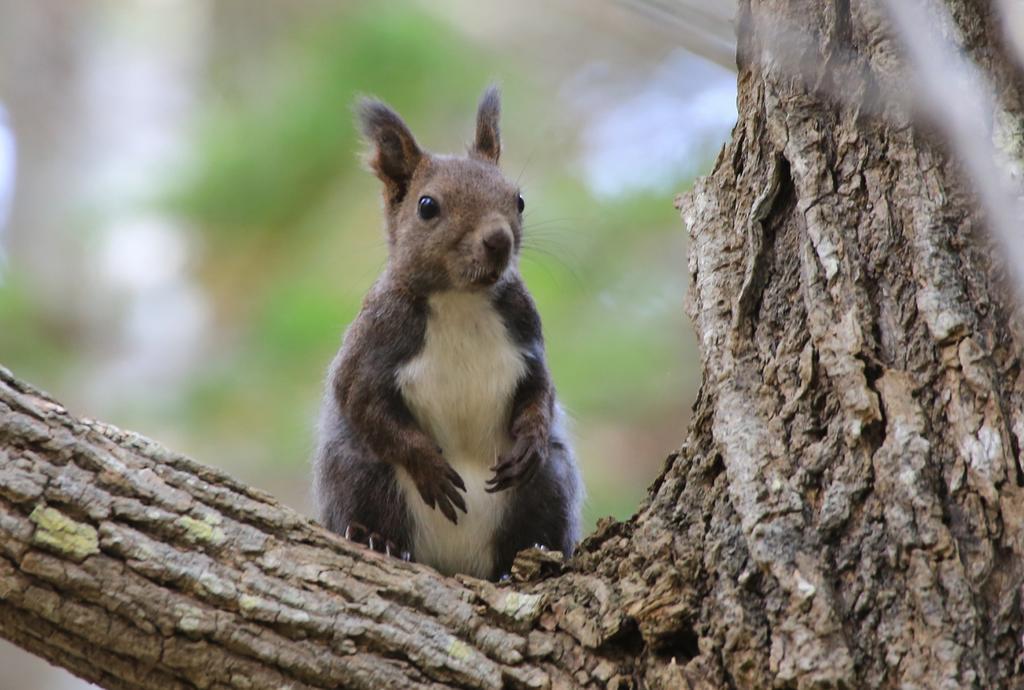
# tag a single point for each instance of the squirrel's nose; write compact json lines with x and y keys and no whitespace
{"x":498,"y":244}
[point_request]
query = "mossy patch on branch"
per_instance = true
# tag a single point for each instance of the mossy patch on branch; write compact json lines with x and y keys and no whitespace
{"x":201,"y":531}
{"x":57,"y":531}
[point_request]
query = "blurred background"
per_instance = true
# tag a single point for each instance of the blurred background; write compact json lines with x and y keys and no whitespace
{"x":185,"y":230}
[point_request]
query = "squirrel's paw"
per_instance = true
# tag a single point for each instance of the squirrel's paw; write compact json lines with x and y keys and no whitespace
{"x":439,"y":486}
{"x":361,"y":535}
{"x":519,"y":464}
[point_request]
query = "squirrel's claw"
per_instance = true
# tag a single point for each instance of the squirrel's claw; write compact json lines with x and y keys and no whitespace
{"x":442,"y":491}
{"x":356,"y":532}
{"x":361,"y":535}
{"x":518,"y":466}
{"x":448,"y":511}
{"x":449,"y":501}
{"x":455,"y":497}
{"x":455,"y":479}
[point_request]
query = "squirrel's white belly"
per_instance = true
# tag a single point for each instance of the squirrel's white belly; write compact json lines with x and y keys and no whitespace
{"x":460,"y":388}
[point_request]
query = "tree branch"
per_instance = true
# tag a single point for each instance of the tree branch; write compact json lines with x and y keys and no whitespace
{"x":133,"y":566}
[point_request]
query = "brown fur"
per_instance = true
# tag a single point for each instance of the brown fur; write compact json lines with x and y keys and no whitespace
{"x":367,"y":428}
{"x":447,"y":252}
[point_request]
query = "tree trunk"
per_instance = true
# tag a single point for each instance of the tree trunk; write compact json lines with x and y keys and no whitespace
{"x":847,"y":510}
{"x":850,"y":493}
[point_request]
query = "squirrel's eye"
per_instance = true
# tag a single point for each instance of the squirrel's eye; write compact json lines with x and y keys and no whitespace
{"x":520,"y":202}
{"x":429,"y":208}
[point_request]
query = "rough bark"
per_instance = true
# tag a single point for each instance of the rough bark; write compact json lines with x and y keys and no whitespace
{"x":861,"y":408}
{"x":847,"y":509}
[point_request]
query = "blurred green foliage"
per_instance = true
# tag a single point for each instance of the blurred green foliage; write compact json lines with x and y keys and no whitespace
{"x":270,"y":164}
{"x":36,"y":346}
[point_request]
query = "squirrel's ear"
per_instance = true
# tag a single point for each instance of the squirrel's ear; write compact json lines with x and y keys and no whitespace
{"x":488,"y":139}
{"x":394,"y":154}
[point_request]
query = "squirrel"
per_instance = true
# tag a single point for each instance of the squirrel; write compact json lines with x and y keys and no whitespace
{"x":439,"y":401}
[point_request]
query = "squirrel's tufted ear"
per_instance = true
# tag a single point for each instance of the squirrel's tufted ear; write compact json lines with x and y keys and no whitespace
{"x":488,"y":139}
{"x":394,"y":154}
